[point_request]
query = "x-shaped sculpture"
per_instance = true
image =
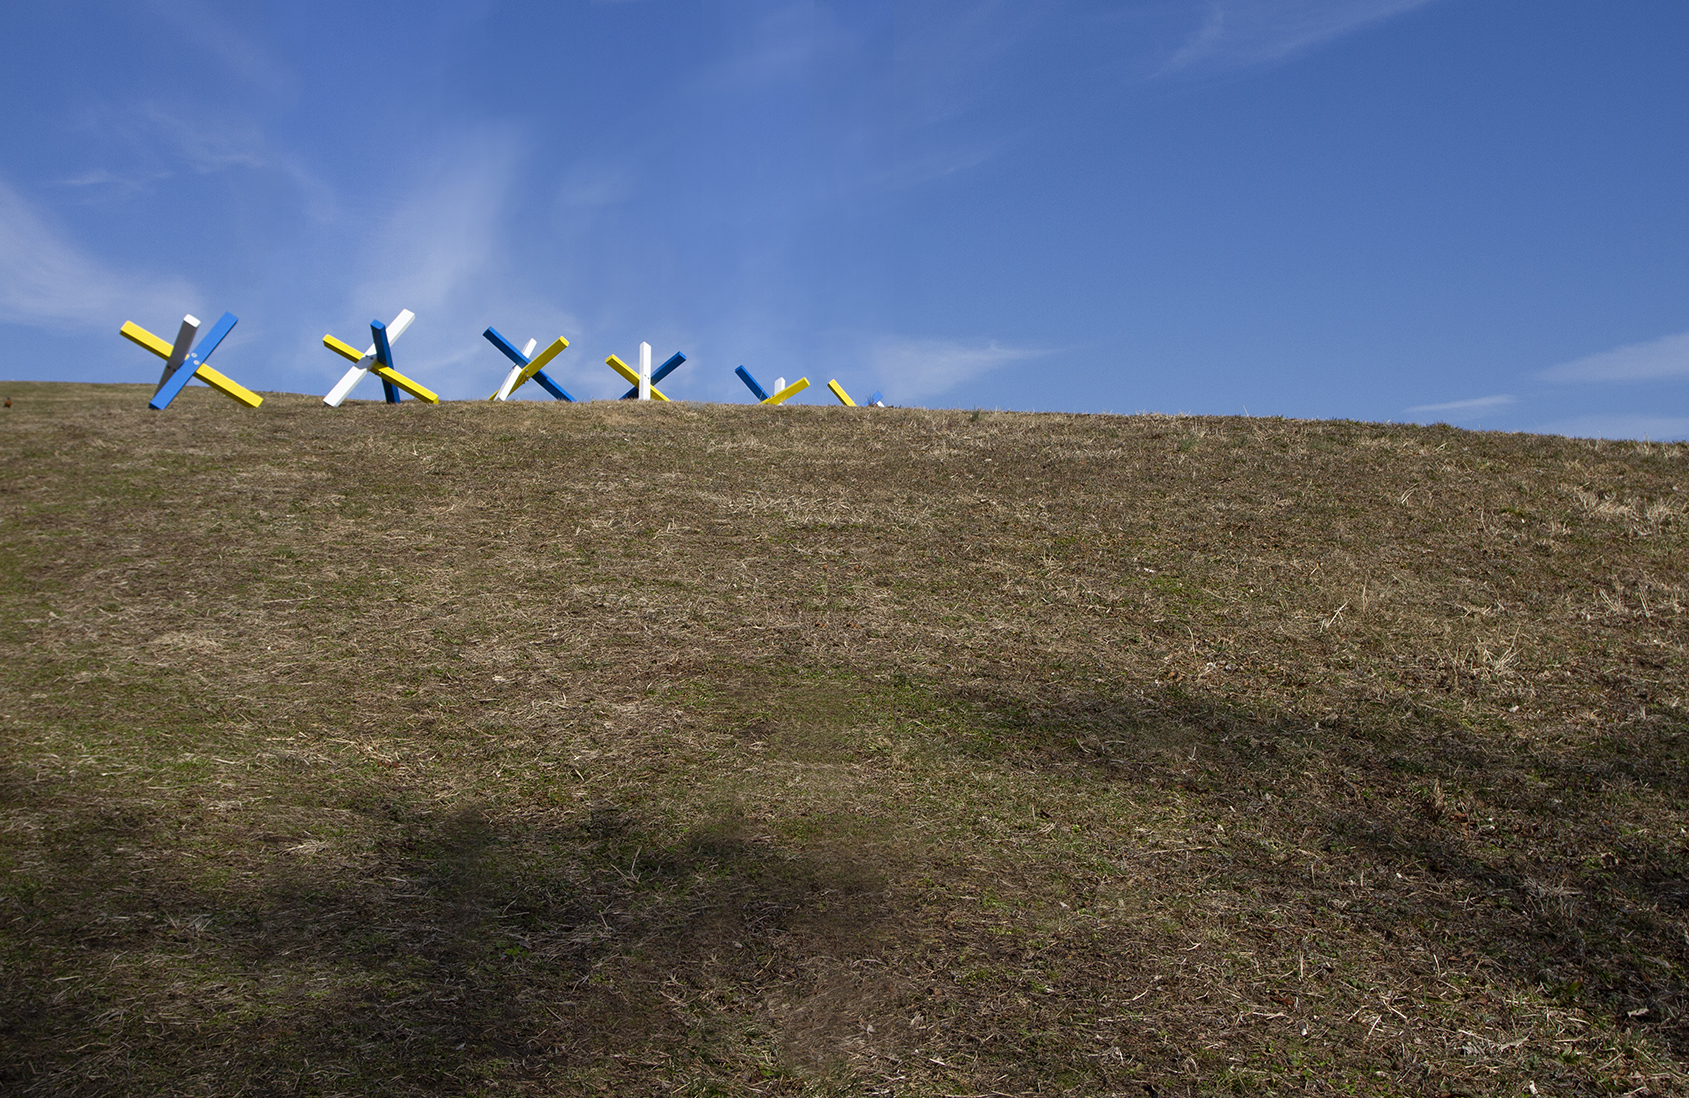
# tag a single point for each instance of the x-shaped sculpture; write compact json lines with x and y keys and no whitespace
{"x":779,"y":397}
{"x":645,"y":380}
{"x":177,"y":356}
{"x":527,"y":367}
{"x":377,"y":360}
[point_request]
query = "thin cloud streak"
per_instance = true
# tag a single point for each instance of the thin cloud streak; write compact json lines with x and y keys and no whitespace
{"x":1239,"y":34}
{"x":935,"y":163}
{"x":1474,"y":405}
{"x":208,"y":144}
{"x":48,"y":282}
{"x":948,"y":63}
{"x":208,"y":29}
{"x":1666,"y":357}
{"x":783,"y":45}
{"x":147,"y":143}
{"x":914,"y":369}
{"x":440,"y":240}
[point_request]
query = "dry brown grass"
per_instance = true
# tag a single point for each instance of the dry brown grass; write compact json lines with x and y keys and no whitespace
{"x":728,"y":750}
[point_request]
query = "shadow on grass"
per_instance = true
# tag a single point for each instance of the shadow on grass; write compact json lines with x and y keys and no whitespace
{"x":1545,"y":863}
{"x":467,"y":953}
{"x":465,"y":957}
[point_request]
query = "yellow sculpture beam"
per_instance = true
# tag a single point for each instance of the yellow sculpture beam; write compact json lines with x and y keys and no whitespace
{"x":791,"y":390}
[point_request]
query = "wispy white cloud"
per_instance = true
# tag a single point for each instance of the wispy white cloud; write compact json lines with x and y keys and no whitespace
{"x":47,"y":281}
{"x":935,"y":162}
{"x":914,"y":369}
{"x":1237,"y":34}
{"x":209,"y":31}
{"x":1622,"y":425}
{"x":146,"y":143}
{"x":445,"y":252}
{"x":1666,"y":357}
{"x":441,"y":238}
{"x":105,"y":177}
{"x":588,"y":185}
{"x":1469,"y":408}
{"x":929,"y":69}
{"x":949,"y":59}
{"x":206,"y":145}
{"x":781,"y":45}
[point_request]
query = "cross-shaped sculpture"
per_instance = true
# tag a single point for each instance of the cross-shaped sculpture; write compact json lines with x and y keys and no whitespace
{"x":377,"y":360}
{"x":645,"y":380}
{"x":781,"y":392}
{"x":526,"y":367}
{"x":181,"y":365}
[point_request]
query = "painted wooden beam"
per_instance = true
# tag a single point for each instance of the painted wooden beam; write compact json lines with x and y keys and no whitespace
{"x":383,"y":367}
{"x":789,"y":391}
{"x":542,"y":379}
{"x":138,"y":335}
{"x":416,"y":389}
{"x":229,"y":388}
{"x":751,"y":383}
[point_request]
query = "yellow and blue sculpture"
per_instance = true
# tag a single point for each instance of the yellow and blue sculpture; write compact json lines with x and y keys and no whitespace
{"x":527,"y":367}
{"x":182,"y":365}
{"x":644,"y":379}
{"x":378,"y":360}
{"x":781,"y":392}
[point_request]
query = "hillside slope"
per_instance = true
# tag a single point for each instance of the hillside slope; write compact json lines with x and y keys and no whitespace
{"x":655,"y":749}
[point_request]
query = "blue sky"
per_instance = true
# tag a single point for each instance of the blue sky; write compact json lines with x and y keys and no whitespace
{"x":1473,"y":211}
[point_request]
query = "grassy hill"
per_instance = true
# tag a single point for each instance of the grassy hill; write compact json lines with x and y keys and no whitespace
{"x":682,"y":749}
